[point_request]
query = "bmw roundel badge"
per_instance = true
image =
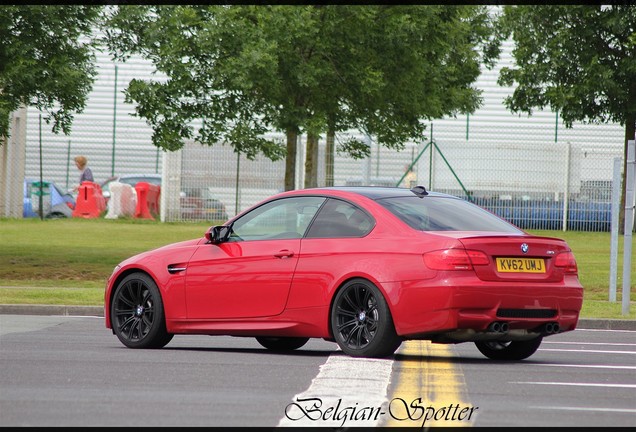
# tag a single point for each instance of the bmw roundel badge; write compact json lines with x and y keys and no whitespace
{"x":524,"y":247}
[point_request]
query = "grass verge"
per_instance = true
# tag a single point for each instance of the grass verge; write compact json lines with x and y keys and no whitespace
{"x":67,"y":261}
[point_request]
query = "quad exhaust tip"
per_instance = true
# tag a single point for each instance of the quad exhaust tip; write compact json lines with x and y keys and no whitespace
{"x":498,"y":327}
{"x":551,"y":328}
{"x":502,"y":327}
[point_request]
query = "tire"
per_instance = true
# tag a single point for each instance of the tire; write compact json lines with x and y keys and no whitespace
{"x":361,"y":321}
{"x":282,"y":343}
{"x":515,"y":350}
{"x":137,"y":313}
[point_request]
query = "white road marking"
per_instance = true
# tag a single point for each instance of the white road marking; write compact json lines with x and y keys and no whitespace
{"x":588,"y":351}
{"x":352,"y":392}
{"x":347,"y":391}
{"x":564,"y":408}
{"x":606,"y":330}
{"x":575,"y":384}
{"x":588,"y":366}
{"x":588,"y":343}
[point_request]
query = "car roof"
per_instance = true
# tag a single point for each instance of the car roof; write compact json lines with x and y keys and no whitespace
{"x":375,"y":192}
{"x":51,"y":183}
{"x":153,"y":175}
{"x":31,"y":181}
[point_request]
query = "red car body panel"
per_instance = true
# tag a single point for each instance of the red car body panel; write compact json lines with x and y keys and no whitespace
{"x":241,"y":280}
{"x":286,"y":287}
{"x":155,"y":263}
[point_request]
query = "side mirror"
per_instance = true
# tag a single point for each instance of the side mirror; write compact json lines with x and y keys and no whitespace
{"x":218,"y":234}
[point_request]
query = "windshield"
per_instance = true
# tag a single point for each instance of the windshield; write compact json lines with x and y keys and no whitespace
{"x":435,"y":213}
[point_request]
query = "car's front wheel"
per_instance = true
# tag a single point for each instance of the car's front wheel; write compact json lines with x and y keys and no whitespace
{"x":282,"y":343}
{"x":137,"y":313}
{"x":509,"y":350}
{"x":361,"y":321}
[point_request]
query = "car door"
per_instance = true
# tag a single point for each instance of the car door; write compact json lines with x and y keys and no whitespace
{"x":250,"y":275}
{"x":336,"y":243}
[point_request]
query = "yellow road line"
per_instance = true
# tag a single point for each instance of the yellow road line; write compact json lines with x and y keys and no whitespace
{"x":430,"y":389}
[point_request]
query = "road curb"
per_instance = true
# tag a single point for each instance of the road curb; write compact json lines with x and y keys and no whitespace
{"x":606,"y":324}
{"x":35,"y":309}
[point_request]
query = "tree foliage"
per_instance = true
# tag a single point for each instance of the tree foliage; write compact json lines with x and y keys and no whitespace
{"x":578,"y":60}
{"x":240,"y":71}
{"x":46,"y":61}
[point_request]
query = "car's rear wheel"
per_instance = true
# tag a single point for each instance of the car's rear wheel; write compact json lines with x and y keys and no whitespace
{"x":509,"y":350}
{"x":361,"y":321}
{"x":137,"y":313}
{"x":282,"y":343}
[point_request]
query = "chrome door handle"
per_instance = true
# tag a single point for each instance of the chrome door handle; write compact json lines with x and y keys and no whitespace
{"x":284,"y":254}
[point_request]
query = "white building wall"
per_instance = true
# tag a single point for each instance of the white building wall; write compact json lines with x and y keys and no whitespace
{"x":105,"y":132}
{"x":489,"y":151}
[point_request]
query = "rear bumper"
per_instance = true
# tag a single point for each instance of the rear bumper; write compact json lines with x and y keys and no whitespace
{"x":423,"y":311}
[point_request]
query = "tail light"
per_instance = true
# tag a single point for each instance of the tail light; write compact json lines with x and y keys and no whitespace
{"x":567,"y":262}
{"x":454,"y":259}
{"x":70,"y":205}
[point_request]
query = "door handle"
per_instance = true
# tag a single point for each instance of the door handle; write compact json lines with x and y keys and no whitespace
{"x":284,"y":254}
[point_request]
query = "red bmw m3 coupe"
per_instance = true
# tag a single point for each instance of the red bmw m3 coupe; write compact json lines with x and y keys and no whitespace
{"x":364,"y":267}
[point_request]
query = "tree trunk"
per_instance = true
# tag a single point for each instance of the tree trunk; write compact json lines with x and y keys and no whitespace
{"x":290,"y":160}
{"x":329,"y":157}
{"x":311,"y":161}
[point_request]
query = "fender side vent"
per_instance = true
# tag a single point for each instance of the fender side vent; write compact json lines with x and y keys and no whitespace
{"x":172,"y":269}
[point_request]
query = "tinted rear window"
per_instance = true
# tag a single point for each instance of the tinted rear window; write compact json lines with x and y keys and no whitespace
{"x":445,"y":214}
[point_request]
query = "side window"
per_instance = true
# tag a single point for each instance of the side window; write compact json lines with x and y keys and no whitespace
{"x":340,"y":219}
{"x":279,"y":219}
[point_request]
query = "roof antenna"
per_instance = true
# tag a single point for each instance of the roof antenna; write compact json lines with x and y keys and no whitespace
{"x":420,"y":191}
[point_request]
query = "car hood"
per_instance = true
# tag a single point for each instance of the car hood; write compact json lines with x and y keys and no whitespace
{"x":178,"y":249}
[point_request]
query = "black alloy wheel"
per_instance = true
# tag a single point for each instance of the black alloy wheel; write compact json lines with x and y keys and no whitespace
{"x":361,"y":321}
{"x":137,"y":313}
{"x":282,"y":343}
{"x":509,"y":350}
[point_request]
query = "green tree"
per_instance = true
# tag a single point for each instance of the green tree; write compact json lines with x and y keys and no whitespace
{"x":243,"y":70}
{"x":211,"y":56}
{"x":396,"y":68}
{"x":578,"y":60}
{"x":46,"y":61}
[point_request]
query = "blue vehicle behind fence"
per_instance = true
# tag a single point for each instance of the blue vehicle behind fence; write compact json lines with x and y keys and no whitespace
{"x":56,"y":203}
{"x":548,"y":215}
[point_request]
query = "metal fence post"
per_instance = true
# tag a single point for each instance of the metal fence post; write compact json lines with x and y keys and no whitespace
{"x":629,"y":222}
{"x":41,"y":181}
{"x":366,"y":175}
{"x":68,"y":163}
{"x":616,"y":202}
{"x":112,"y":168}
{"x":237,"y":206}
{"x":566,"y":191}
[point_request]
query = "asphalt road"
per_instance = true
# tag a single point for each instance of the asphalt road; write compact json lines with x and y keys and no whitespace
{"x":71,"y":371}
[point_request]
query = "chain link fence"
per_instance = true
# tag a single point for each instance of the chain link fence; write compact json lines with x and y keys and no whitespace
{"x":530,"y":170}
{"x":536,"y":185}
